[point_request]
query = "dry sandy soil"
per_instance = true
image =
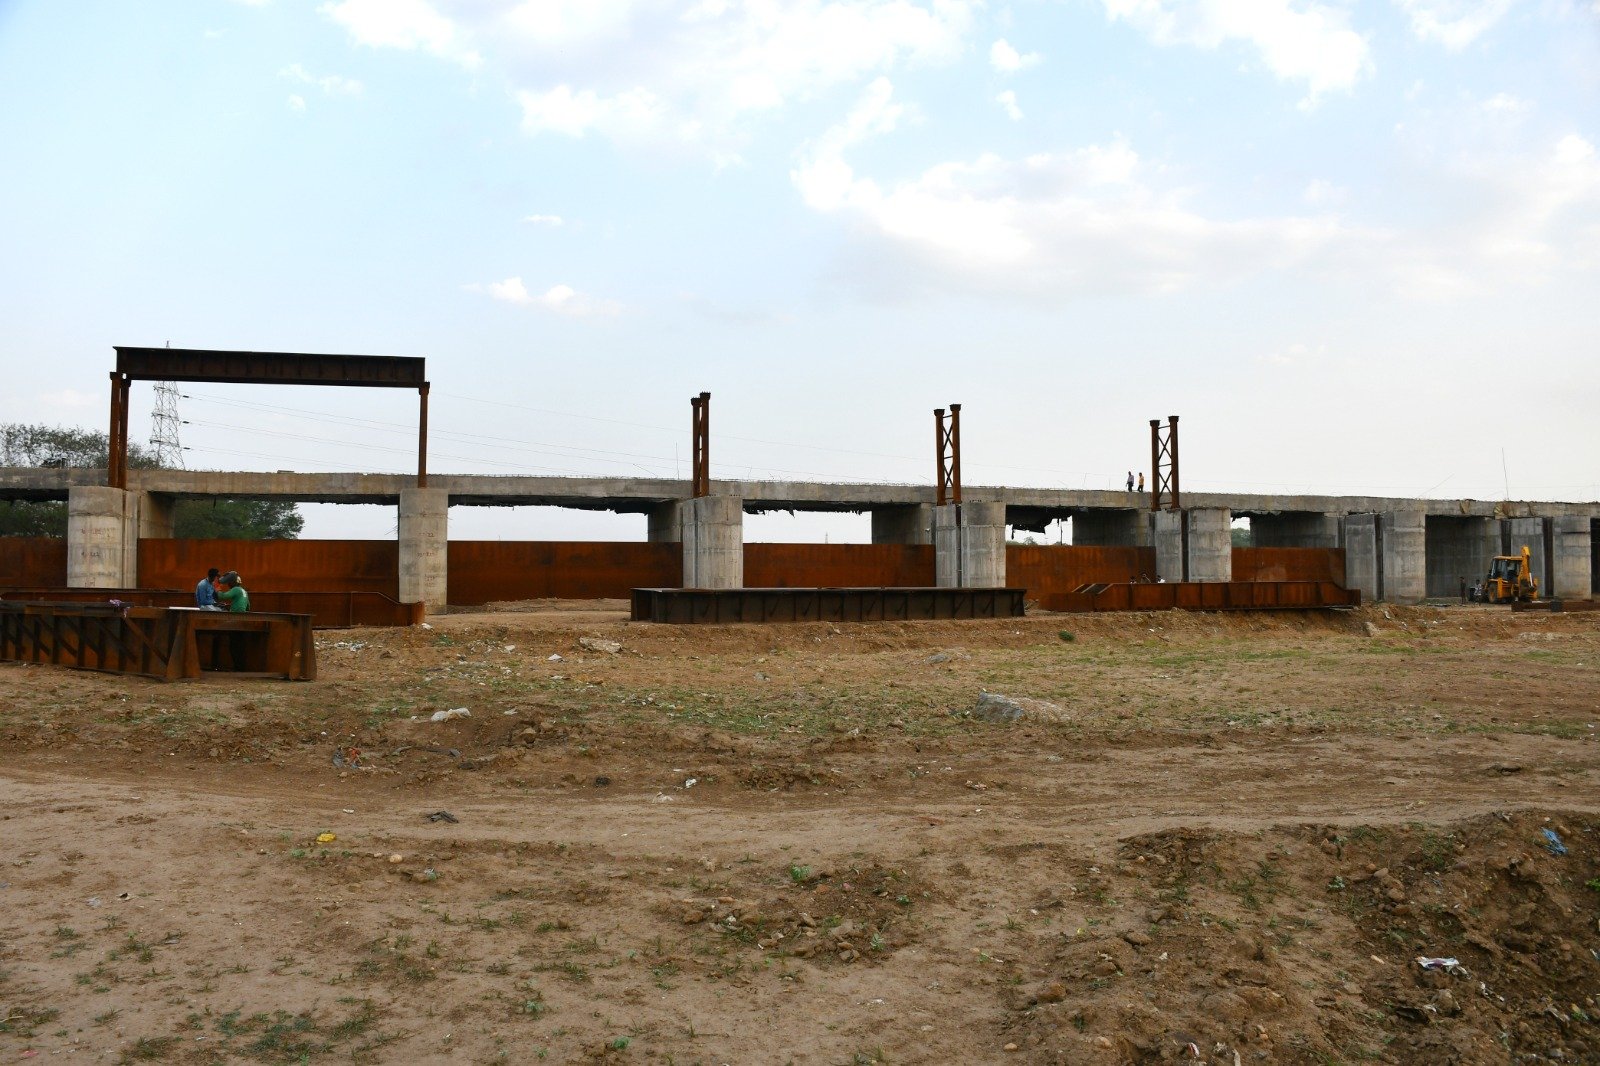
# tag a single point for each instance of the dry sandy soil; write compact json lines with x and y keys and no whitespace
{"x":1208,"y":839}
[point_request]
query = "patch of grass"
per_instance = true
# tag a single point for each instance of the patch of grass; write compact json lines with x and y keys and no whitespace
{"x":150,"y":1049}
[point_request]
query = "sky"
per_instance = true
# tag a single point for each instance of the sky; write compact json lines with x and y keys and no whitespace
{"x":1354,"y":245}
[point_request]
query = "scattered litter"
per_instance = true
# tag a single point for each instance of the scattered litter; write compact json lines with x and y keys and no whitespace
{"x":426,"y":626}
{"x":511,"y":713}
{"x":1450,"y":966}
{"x":511,"y":647}
{"x":454,"y":712}
{"x":555,"y":658}
{"x":691,"y":782}
{"x":326,"y":838}
{"x":343,"y":757}
{"x":124,"y":897}
{"x":1552,"y":842}
{"x":348,"y":810}
{"x":443,"y":816}
{"x":602,"y":781}
{"x":93,"y":901}
{"x":609,"y":647}
{"x":397,"y":858}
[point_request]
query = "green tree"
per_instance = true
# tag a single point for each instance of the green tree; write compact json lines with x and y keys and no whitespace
{"x":36,"y":445}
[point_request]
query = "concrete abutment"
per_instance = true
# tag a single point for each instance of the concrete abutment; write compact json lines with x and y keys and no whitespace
{"x":903,"y":524}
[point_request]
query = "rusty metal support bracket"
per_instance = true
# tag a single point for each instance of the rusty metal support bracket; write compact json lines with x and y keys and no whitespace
{"x":700,"y":413}
{"x":947,"y":446}
{"x":1164,"y":464}
{"x":117,"y":438}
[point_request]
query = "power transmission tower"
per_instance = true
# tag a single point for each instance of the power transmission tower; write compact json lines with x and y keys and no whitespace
{"x":164,"y":423}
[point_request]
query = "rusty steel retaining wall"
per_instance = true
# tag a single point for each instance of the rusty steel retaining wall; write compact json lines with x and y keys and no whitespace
{"x":1047,"y":569}
{"x":34,"y":561}
{"x":275,"y":565}
{"x":1288,"y":564}
{"x":781,"y":566}
{"x":483,"y":571}
{"x":722,"y":606}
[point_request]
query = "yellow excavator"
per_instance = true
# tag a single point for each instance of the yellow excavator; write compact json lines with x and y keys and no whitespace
{"x":1510,"y":580}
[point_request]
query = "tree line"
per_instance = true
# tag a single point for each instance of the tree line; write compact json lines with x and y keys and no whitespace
{"x":41,"y":445}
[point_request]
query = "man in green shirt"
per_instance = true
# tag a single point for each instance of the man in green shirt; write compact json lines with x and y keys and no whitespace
{"x":234,"y":599}
{"x":233,"y":596}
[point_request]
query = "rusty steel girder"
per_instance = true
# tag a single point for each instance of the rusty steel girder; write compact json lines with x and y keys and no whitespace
{"x":725,"y":606}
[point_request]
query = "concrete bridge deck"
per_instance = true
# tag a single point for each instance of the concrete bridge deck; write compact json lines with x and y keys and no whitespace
{"x":1024,"y":505}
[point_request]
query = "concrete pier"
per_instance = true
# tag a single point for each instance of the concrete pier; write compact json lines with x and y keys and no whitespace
{"x":1459,"y":547}
{"x":903,"y":524}
{"x":1362,"y":563}
{"x":1294,"y":529}
{"x":1571,"y":559}
{"x":666,"y":523}
{"x":712,"y":531}
{"x":156,"y":515}
{"x":1210,"y":544}
{"x":1112,"y":529}
{"x":1167,"y":533}
{"x":425,"y":547}
{"x":969,"y":545}
{"x":1404,"y":539}
{"x":1532,"y":533}
{"x":102,"y":538}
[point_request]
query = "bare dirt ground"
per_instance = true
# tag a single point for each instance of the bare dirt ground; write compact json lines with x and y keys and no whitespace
{"x":1208,"y":839}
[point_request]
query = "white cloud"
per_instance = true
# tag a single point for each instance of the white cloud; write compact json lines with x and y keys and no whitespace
{"x":330,"y":84}
{"x":1008,"y":101}
{"x":544,"y":220}
{"x":1006,"y":59}
{"x":296,"y":102}
{"x":1051,"y":224}
{"x":1453,"y":23}
{"x":1505,"y":104}
{"x":1298,"y":40}
{"x":1324,"y":193}
{"x":560,"y":299}
{"x":1099,"y":218}
{"x":69,"y":398}
{"x":403,"y":24}
{"x":703,"y":73}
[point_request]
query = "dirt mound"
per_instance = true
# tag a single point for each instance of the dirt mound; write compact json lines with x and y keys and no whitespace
{"x":1330,"y":943}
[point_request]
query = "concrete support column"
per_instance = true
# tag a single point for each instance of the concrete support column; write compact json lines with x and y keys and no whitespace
{"x":1111,"y":529}
{"x":906,"y":523}
{"x":666,"y":521}
{"x":156,"y":510}
{"x":1531,"y":532}
{"x":1210,"y":544}
{"x":712,"y":531}
{"x":1459,"y":546}
{"x":425,"y":548}
{"x":1405,"y":556}
{"x":1295,"y":529}
{"x":102,"y":538}
{"x":1167,"y":529}
{"x":1571,"y":577}
{"x":969,"y":545}
{"x":1362,"y":561}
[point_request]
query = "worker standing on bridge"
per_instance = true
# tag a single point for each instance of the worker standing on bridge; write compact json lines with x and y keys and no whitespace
{"x":1141,"y":481}
{"x":1130,"y":481}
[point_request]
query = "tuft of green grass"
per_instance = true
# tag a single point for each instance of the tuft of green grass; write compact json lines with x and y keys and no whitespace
{"x":1067,"y":635}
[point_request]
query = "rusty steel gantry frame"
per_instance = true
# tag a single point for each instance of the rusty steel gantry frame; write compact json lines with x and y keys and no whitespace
{"x":258,"y":368}
{"x":947,"y":446}
{"x":700,"y":436}
{"x":1164,"y":463}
